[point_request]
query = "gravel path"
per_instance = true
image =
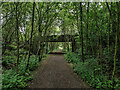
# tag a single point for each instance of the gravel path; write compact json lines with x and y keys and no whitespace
{"x":56,"y":73}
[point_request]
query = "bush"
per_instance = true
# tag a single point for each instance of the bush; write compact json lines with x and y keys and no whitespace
{"x":8,"y":61}
{"x":22,"y":67}
{"x":72,"y":57}
{"x":90,"y":71}
{"x":12,"y":80}
{"x":33,"y":63}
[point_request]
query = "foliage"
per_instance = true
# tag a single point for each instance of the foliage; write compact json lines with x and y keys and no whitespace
{"x":8,"y":61}
{"x":90,"y":71}
{"x":72,"y":57}
{"x":12,"y":80}
{"x":25,"y":24}
{"x":64,"y":50}
{"x":33,"y":62}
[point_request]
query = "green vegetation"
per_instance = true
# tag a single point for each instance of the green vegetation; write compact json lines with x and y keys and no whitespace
{"x":88,"y":31}
{"x":91,"y":72}
{"x":11,"y":79}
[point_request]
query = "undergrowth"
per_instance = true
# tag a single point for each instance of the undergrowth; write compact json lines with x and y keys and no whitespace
{"x":11,"y":79}
{"x":90,"y":71}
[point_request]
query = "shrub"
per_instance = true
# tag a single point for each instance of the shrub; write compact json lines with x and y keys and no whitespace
{"x":90,"y":71}
{"x":72,"y":57}
{"x":12,"y":80}
{"x":33,"y":63}
{"x":8,"y":61}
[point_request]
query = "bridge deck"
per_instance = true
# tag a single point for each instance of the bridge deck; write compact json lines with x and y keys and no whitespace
{"x":57,"y":38}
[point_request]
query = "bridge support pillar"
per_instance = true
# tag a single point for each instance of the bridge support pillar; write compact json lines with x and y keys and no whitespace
{"x":73,"y":45}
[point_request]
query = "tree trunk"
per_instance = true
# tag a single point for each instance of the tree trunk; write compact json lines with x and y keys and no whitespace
{"x":87,"y":28}
{"x":116,"y":39}
{"x":17,"y":28}
{"x":30,"y":44}
{"x":108,"y":34}
{"x":81,"y":31}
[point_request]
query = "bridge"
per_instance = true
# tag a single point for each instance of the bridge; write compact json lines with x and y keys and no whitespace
{"x":60,"y":38}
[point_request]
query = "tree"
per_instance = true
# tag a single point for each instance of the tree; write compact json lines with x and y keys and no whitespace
{"x":87,"y":27}
{"x":17,"y":29}
{"x":27,"y":67}
{"x":82,"y":53}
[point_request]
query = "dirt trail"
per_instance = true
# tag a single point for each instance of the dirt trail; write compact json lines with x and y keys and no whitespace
{"x":56,"y":73}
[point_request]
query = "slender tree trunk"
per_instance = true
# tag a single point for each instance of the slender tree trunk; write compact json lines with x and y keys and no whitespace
{"x":46,"y":47}
{"x":87,"y":28}
{"x":116,"y":39}
{"x":99,"y":40}
{"x":25,"y":43}
{"x":81,"y":31}
{"x":17,"y":28}
{"x":40,"y":34}
{"x":30,"y":44}
{"x":78,"y":28}
{"x":108,"y":34}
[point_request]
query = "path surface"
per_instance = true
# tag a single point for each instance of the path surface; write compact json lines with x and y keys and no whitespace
{"x":56,"y":73}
